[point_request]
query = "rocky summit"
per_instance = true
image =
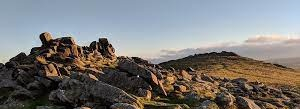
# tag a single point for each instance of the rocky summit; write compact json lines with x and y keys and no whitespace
{"x":63,"y":75}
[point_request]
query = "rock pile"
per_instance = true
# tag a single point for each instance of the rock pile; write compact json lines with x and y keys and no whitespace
{"x":63,"y":75}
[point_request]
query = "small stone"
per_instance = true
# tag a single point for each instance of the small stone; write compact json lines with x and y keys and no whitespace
{"x":225,"y":99}
{"x":239,"y":80}
{"x":180,"y":88}
{"x":208,"y":105}
{"x":207,"y":78}
{"x":246,"y":87}
{"x":245,"y":103}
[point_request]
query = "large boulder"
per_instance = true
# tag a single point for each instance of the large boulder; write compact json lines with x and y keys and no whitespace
{"x":124,"y":81}
{"x":133,"y":68}
{"x":73,"y":91}
{"x":106,"y":49}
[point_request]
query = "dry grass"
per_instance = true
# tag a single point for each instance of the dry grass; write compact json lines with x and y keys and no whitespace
{"x":236,"y":67}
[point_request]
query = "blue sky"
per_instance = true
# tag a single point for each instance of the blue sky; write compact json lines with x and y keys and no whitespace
{"x":144,"y":27}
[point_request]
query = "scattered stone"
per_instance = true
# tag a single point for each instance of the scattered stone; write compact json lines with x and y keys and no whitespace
{"x":245,"y":103}
{"x":208,"y":105}
{"x":180,"y":88}
{"x":225,"y":99}
{"x":185,"y":75}
{"x":123,"y":106}
{"x":207,"y":78}
{"x":239,"y":80}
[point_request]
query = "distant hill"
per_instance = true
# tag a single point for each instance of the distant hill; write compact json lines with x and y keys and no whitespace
{"x":290,"y":62}
{"x":231,"y":65}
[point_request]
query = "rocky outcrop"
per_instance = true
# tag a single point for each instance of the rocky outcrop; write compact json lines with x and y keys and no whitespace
{"x":63,"y":75}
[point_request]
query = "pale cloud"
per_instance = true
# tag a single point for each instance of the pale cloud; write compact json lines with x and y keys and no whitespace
{"x":266,"y":39}
{"x":259,"y":47}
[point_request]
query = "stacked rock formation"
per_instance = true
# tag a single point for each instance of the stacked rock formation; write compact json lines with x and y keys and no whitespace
{"x":63,"y":75}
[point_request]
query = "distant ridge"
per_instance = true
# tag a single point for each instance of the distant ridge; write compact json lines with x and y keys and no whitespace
{"x":232,"y":65}
{"x":293,"y":62}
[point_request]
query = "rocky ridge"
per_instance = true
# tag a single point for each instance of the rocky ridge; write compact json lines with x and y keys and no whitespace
{"x":63,"y":75}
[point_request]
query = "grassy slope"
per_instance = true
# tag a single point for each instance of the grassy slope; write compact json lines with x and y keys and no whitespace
{"x":236,"y":66}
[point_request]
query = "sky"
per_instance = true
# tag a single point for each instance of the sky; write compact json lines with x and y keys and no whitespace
{"x":157,"y":30}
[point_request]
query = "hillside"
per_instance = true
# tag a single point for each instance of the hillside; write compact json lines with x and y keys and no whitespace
{"x":231,"y":65}
{"x":290,"y":62}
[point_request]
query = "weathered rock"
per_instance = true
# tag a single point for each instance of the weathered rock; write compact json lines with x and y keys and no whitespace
{"x":35,"y":85}
{"x":21,"y":57}
{"x":41,"y":60}
{"x":106,"y":49}
{"x":185,"y":75}
{"x":24,"y":77}
{"x":225,"y":99}
{"x":246,"y":87}
{"x":64,"y":71}
{"x":208,"y":105}
{"x":144,"y":93}
{"x":123,"y":106}
{"x":50,"y":71}
{"x":45,"y":38}
{"x":135,"y":69}
{"x":170,"y":80}
{"x":74,"y":50}
{"x":111,"y":94}
{"x":73,"y":91}
{"x":265,"y":105}
{"x":11,"y":64}
{"x":21,"y":94}
{"x":93,"y":71}
{"x":67,"y":40}
{"x":124,"y":81}
{"x":46,"y":82}
{"x":94,"y":46}
{"x":291,"y":94}
{"x":180,"y":88}
{"x":239,"y":80}
{"x":190,"y":69}
{"x":207,"y":78}
{"x":1,"y":65}
{"x":245,"y":103}
{"x":8,"y":83}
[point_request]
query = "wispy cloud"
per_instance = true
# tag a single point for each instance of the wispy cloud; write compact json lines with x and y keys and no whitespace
{"x":258,"y":47}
